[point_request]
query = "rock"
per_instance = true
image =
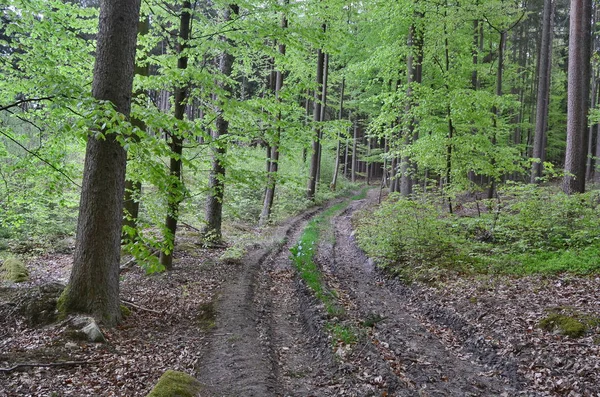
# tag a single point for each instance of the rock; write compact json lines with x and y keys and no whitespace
{"x":38,"y":304}
{"x":176,"y":384}
{"x":14,"y":270}
{"x":89,"y":327}
{"x":94,"y":333}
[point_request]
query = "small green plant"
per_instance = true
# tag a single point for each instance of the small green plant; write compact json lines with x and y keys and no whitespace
{"x":343,"y":333}
{"x":568,"y":322}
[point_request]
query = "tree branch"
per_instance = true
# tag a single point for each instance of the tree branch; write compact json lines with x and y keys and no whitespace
{"x":12,"y":105}
{"x":40,"y":158}
{"x":58,"y":364}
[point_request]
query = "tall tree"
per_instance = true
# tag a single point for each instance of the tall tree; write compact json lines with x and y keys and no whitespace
{"x":543,"y":93}
{"x":316,"y":143}
{"x":176,"y":141}
{"x":577,"y":95}
{"x":94,"y":282}
{"x":133,"y":188}
{"x":216,"y":184}
{"x":273,"y":163}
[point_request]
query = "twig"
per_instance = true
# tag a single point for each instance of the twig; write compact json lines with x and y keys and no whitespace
{"x":140,"y":307}
{"x":191,"y":227}
{"x":60,"y":364}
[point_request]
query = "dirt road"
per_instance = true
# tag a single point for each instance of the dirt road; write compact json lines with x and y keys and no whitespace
{"x":271,"y":336}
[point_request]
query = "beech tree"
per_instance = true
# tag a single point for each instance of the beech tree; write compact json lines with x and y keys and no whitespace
{"x":577,"y":96}
{"x":216,"y":185}
{"x":94,"y":283}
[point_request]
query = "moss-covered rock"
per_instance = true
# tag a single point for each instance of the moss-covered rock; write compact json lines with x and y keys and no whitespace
{"x":176,"y":384}
{"x":567,"y":325}
{"x":14,"y":270}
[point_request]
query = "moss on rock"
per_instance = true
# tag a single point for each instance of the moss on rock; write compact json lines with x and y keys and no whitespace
{"x":14,"y":270}
{"x":176,"y":384}
{"x":567,"y":325}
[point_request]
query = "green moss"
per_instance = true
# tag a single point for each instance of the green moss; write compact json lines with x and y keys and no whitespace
{"x":207,"y":316}
{"x":176,"y":384}
{"x":567,"y":325}
{"x":61,"y":303}
{"x":125,"y":311}
{"x":14,"y":270}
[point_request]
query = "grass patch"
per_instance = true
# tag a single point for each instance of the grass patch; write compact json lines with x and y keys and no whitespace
{"x":343,"y":333}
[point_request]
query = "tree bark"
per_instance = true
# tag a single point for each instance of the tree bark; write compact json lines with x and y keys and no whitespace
{"x":274,"y":155}
{"x":176,"y":145}
{"x":133,"y":188}
{"x":216,"y":184}
{"x":577,"y":95}
{"x":543,"y":94}
{"x":94,"y":282}
{"x":316,"y":144}
{"x":339,"y":140}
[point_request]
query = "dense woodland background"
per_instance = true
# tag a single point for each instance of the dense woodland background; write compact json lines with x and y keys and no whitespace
{"x":248,"y":112}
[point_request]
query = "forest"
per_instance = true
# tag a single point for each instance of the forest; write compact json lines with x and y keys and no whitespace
{"x":299,"y":197}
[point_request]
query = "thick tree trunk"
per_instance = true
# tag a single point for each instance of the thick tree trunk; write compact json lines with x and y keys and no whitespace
{"x":94,"y":282}
{"x":176,"y":145}
{"x":543,"y":94}
{"x":216,"y":184}
{"x":274,"y":155}
{"x":577,"y":95}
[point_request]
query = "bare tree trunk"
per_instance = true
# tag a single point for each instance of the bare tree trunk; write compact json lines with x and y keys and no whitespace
{"x":543,"y":94}
{"x":316,"y":144}
{"x":354,"y":152}
{"x":216,"y":183}
{"x":176,"y":145}
{"x":322,"y":116}
{"x":274,"y":156}
{"x":94,"y":282}
{"x":133,"y":188}
{"x":577,"y":95}
{"x":339,"y":140}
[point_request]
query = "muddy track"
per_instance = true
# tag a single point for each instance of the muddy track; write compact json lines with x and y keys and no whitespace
{"x":265,"y":341}
{"x":270,"y":337}
{"x":403,"y":355}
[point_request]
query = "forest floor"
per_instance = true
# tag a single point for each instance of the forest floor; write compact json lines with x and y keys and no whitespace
{"x":253,"y":328}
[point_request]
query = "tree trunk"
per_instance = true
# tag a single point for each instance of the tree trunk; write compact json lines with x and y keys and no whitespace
{"x":543,"y":94}
{"x":94,"y":281}
{"x":176,"y":145}
{"x":316,"y":144}
{"x":322,"y":116}
{"x":339,"y":140}
{"x":133,"y":189}
{"x":577,"y":95}
{"x":274,"y":156}
{"x":216,"y":184}
{"x":354,"y":154}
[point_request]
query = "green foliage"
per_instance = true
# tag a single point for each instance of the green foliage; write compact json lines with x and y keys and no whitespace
{"x":412,"y":239}
{"x":343,"y":333}
{"x":529,"y":230}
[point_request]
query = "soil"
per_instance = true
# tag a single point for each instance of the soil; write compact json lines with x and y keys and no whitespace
{"x":253,"y":328}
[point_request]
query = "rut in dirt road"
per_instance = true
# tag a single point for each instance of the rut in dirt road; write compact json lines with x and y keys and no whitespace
{"x":401,"y":355}
{"x":265,"y":341}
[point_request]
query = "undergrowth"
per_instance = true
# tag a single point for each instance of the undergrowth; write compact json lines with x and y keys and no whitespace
{"x":525,"y":230}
